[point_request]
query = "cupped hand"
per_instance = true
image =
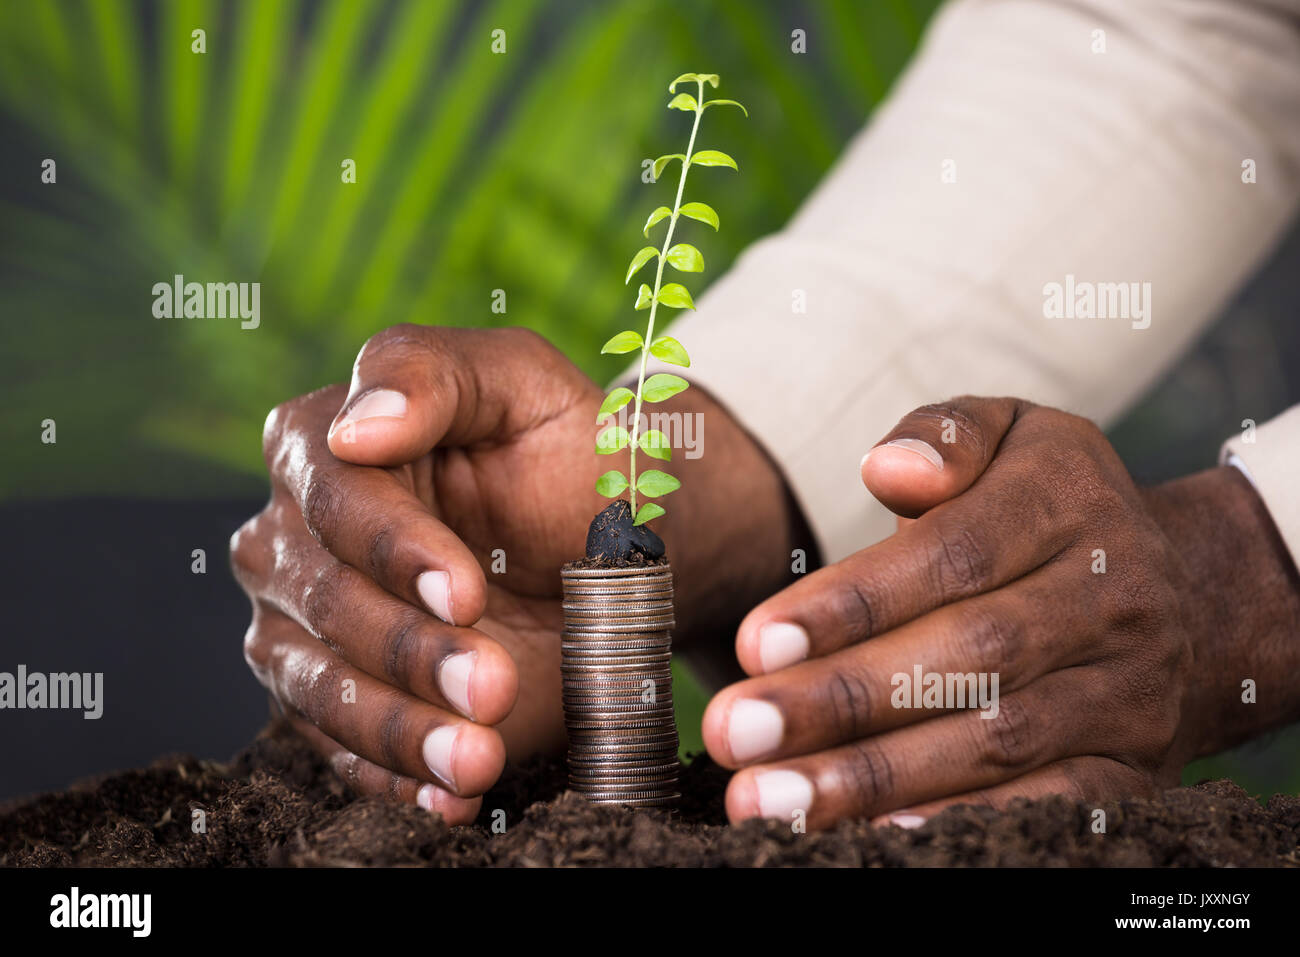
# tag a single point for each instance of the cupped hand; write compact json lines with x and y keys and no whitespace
{"x":404,"y":575}
{"x":1033,"y":558}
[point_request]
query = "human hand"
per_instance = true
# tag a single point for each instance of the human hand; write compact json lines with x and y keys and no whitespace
{"x":368,"y":564}
{"x":1113,"y":670}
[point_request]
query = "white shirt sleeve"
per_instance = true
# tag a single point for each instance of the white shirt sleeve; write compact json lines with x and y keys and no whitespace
{"x":1269,"y":455}
{"x":1111,"y":148}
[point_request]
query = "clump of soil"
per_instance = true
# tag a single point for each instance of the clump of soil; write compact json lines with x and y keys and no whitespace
{"x":613,"y":541}
{"x":275,"y":803}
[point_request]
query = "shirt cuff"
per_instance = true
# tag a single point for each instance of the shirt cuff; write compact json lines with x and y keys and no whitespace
{"x":1269,"y":456}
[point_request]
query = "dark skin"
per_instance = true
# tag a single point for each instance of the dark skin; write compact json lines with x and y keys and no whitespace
{"x":1109,"y":683}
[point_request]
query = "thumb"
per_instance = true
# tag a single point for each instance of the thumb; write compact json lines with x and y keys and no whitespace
{"x":936,"y":452}
{"x":416,"y":387}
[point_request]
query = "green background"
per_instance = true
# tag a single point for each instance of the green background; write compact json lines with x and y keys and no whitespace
{"x":476,"y":171}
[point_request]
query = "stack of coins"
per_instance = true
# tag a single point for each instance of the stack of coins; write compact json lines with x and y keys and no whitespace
{"x":618,"y":688}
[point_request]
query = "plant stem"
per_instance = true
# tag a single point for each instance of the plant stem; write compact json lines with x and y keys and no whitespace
{"x":654,"y":299}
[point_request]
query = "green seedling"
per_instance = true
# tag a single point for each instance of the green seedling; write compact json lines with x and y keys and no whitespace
{"x":683,"y":257}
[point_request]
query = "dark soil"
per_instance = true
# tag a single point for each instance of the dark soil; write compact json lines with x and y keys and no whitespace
{"x":276,"y":804}
{"x":614,"y":542}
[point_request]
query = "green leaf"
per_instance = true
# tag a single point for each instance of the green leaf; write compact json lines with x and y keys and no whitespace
{"x":662,"y":386}
{"x":614,"y":401}
{"x":655,"y":444}
{"x":712,"y":158}
{"x":709,"y":78}
{"x":663,"y":212}
{"x":664,"y":160}
{"x":648,"y":513}
{"x":612,"y":440}
{"x":709,"y":103}
{"x":625,"y":341}
{"x":646,"y":254}
{"x":611,"y":483}
{"x":686,"y":258}
{"x":674,"y":294}
{"x":684,"y":102}
{"x":643,"y":296}
{"x":669,"y":349}
{"x":700,"y":211}
{"x":654,"y":483}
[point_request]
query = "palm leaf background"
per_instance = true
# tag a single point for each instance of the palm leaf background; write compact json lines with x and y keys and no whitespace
{"x":476,"y":171}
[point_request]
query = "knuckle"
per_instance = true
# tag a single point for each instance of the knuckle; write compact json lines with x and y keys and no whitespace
{"x":393,"y":731}
{"x":322,"y":596}
{"x":854,"y":601}
{"x":960,"y":563}
{"x":381,"y":550}
{"x":1009,"y":738}
{"x":243,"y":547}
{"x":256,"y":653}
{"x":992,"y":639}
{"x":400,"y":649}
{"x":272,"y":431}
{"x":849,"y":700}
{"x":322,"y":504}
{"x":938,"y":414}
{"x":870,"y":775}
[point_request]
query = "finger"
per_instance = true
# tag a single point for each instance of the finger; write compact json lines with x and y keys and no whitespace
{"x":456,"y":668}
{"x":375,"y":721}
{"x":1056,"y":718}
{"x":990,"y":645}
{"x":1008,"y":524}
{"x":1089,"y":778}
{"x":416,"y":387}
{"x":367,"y":518}
{"x":370,"y":779}
{"x":936,"y":452}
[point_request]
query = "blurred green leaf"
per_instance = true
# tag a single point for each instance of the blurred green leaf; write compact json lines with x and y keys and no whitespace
{"x":646,"y":254}
{"x":684,"y":102}
{"x":663,"y":385}
{"x":624,"y":341}
{"x":612,"y":440}
{"x":663,"y":212}
{"x":675,"y":294}
{"x":648,"y":513}
{"x":654,"y":483}
{"x":611,"y":483}
{"x":655,"y":444}
{"x":614,"y":401}
{"x":713,"y":158}
{"x":668,"y":349}
{"x":700,"y":211}
{"x":685,"y":258}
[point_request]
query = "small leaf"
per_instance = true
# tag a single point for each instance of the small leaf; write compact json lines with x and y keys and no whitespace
{"x":669,"y":349}
{"x":662,"y":386}
{"x":611,"y":483}
{"x":713,"y":158}
{"x":700,"y":211}
{"x":648,"y":513}
{"x":643,"y":296}
{"x":654,"y":483}
{"x":709,"y":103}
{"x":710,"y":78}
{"x":655,"y":444}
{"x":663,"y":161}
{"x":674,"y":294}
{"x":614,"y":401}
{"x":612,"y":440}
{"x":646,"y":254}
{"x":625,"y":341}
{"x":663,"y":212}
{"x":686,"y":258}
{"x":684,"y":102}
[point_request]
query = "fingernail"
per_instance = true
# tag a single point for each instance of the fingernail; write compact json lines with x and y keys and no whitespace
{"x":439,"y":749}
{"x":781,"y":644}
{"x":381,"y":403}
{"x":424,"y":797}
{"x":454,"y":676}
{"x":923,"y":449}
{"x":754,"y":728}
{"x":435,"y":592}
{"x":909,"y":821}
{"x":781,"y":793}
